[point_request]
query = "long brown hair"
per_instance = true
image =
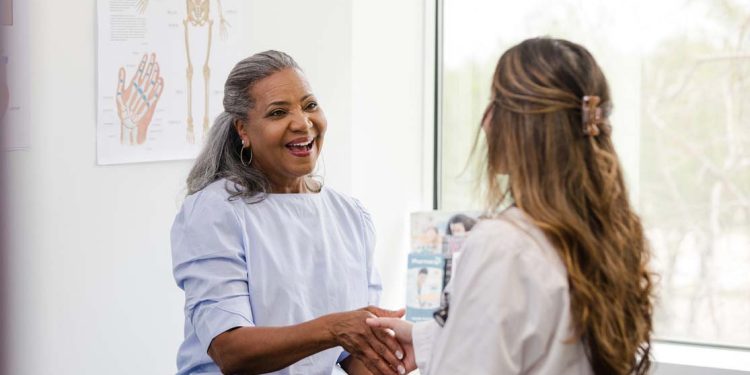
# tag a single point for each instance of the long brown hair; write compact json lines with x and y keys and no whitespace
{"x":570,"y":183}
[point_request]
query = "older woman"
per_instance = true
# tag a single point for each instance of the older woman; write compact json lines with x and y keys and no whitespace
{"x":277,"y":269}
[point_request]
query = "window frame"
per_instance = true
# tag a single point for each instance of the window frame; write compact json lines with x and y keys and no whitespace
{"x":672,"y":357}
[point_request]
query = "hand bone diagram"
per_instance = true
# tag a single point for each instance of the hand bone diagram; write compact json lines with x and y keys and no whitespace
{"x":136,"y":101}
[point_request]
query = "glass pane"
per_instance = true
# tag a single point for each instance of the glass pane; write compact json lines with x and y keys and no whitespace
{"x":680,"y":77}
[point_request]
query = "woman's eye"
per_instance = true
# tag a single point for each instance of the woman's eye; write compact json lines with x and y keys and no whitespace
{"x":311,"y":106}
{"x":277,"y":113}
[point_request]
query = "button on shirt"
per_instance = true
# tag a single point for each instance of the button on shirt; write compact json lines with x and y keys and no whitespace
{"x":289,"y":259}
{"x":509,"y":308}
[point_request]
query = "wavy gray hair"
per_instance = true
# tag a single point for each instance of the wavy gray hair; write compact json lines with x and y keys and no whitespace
{"x":221,"y":156}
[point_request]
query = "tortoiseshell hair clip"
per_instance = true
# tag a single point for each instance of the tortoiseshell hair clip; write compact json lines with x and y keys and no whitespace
{"x":593,"y":118}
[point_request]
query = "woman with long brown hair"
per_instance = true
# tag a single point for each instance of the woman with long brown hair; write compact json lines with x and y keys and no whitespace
{"x":558,"y":283}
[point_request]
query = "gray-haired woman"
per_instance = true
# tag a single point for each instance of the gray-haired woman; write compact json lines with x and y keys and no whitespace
{"x":277,"y":269}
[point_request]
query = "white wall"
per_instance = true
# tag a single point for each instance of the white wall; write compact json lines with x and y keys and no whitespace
{"x":391,"y":134}
{"x":90,"y":267}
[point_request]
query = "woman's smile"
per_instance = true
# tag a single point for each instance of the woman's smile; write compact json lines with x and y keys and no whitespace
{"x":301,"y":147}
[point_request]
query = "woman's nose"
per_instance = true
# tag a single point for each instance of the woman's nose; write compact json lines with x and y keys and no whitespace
{"x":301,"y":121}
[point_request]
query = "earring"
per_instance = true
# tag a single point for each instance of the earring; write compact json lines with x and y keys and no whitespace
{"x":244,"y":145}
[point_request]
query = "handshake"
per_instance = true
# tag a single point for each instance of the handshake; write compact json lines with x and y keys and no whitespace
{"x":378,"y":340}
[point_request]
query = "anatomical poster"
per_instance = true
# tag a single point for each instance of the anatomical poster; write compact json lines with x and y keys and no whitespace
{"x":161,"y":71}
{"x":14,"y":75}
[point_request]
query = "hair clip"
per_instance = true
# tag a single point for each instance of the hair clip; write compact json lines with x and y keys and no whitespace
{"x":592,"y":116}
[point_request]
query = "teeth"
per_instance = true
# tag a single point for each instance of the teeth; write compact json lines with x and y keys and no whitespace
{"x":301,"y":144}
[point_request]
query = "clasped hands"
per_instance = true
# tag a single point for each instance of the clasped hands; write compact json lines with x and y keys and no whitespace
{"x":368,"y":337}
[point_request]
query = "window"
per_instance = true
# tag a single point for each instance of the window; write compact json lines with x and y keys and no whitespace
{"x":679,"y":71}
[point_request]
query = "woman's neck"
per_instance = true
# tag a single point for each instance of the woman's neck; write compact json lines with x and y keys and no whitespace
{"x":295,"y":186}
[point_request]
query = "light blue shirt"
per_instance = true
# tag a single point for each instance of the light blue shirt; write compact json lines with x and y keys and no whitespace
{"x":286,"y":260}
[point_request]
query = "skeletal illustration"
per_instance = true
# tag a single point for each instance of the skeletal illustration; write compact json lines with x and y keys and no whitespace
{"x":137,"y":101}
{"x":141,"y":5}
{"x":198,"y":17}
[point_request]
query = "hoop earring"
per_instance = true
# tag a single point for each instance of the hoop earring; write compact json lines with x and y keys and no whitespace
{"x":241,"y":155}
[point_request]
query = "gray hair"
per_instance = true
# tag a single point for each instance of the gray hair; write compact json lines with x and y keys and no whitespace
{"x":221,"y":156}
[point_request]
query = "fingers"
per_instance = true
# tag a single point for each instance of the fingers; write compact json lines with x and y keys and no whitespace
{"x":120,"y":81}
{"x":141,"y":104}
{"x":387,"y":349}
{"x":401,"y":327}
{"x":374,"y":362}
{"x":138,"y":77}
{"x":148,"y":88}
{"x":388,"y":338}
{"x":376,"y":322}
{"x":120,"y":91}
{"x":149,"y":106}
{"x":142,"y":84}
{"x":388,"y":355}
{"x":153,"y":98}
{"x":135,"y":84}
{"x":151,"y":90}
{"x":156,"y":93}
{"x":386,"y":313}
{"x":139,"y":72}
{"x":382,"y":322}
{"x":376,"y":348}
{"x":152,"y":73}
{"x":145,"y":75}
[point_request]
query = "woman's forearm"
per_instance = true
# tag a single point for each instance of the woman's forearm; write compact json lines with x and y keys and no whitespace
{"x":257,"y":350}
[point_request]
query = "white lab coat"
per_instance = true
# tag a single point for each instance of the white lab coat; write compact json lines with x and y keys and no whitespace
{"x":509,"y":308}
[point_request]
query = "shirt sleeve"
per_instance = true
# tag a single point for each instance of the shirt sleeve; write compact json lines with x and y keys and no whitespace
{"x":423,"y":338}
{"x":425,"y":333}
{"x":502,"y":316}
{"x":209,"y":265}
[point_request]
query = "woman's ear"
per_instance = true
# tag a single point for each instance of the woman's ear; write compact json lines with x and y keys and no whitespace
{"x":239,"y":125}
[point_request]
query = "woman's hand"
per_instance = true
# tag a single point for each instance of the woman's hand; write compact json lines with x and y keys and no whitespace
{"x":377,"y":349}
{"x":136,"y":101}
{"x":402,"y":331}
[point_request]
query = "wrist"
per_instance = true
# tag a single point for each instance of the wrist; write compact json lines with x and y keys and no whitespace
{"x":324,"y":330}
